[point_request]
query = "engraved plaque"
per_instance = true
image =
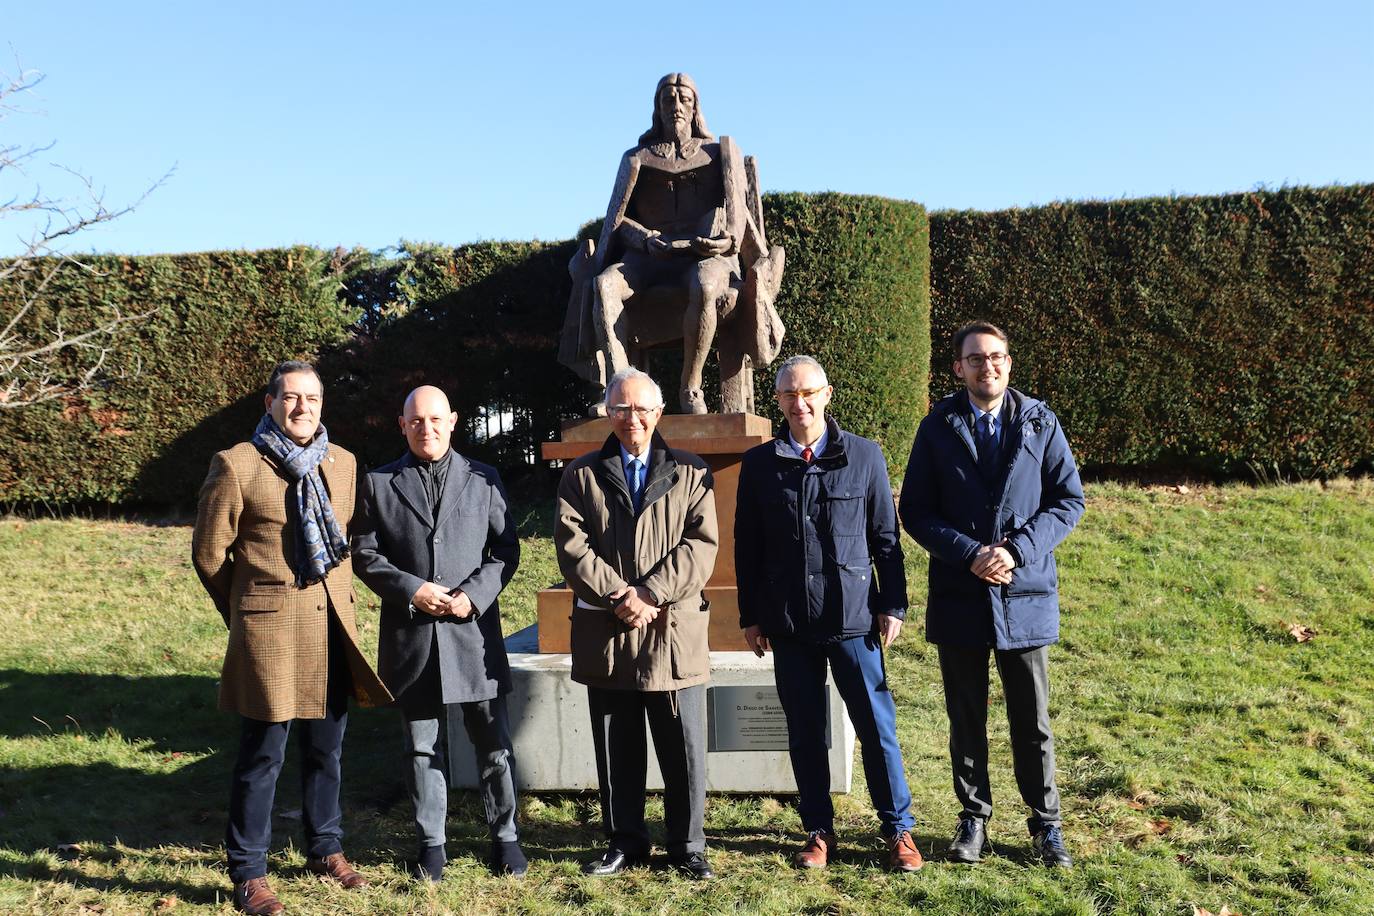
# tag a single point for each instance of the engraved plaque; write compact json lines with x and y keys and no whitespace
{"x":750,"y":718}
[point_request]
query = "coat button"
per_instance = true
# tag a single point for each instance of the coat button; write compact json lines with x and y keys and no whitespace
{"x":436,"y":540}
{"x":438,"y":578}
{"x":672,"y":623}
{"x":319,"y":607}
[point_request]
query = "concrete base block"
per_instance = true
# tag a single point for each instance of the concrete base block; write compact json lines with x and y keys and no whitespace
{"x":551,"y":728}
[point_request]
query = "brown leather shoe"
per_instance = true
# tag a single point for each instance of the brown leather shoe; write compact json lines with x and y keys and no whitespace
{"x":820,"y":846}
{"x":336,"y":866}
{"x":902,"y":854}
{"x":255,"y":897}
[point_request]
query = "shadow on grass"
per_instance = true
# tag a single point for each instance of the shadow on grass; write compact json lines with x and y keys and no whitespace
{"x":190,"y":892}
{"x":145,"y":761}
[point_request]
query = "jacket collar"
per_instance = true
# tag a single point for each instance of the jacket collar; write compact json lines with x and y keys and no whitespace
{"x":611,"y":471}
{"x":411,"y":488}
{"x":1017,"y":408}
{"x":834,"y":447}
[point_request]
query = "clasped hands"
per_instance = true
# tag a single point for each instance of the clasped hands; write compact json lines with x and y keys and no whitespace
{"x":634,"y":605}
{"x":439,"y":602}
{"x":993,"y":564}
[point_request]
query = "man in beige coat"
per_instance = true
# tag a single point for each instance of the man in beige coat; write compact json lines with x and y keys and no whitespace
{"x":636,"y":539}
{"x":271,"y":548}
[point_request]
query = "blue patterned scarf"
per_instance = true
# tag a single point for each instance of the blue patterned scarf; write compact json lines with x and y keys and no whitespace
{"x":320,"y":544}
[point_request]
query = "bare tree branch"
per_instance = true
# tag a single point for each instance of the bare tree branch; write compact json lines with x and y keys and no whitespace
{"x":44,"y":361}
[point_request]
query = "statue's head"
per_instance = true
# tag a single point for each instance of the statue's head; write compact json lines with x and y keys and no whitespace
{"x":676,"y":97}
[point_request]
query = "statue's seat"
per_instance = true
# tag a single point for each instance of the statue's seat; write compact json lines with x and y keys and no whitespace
{"x":653,"y":320}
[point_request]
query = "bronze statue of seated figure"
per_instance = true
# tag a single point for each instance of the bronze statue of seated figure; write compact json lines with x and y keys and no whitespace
{"x":681,"y":256}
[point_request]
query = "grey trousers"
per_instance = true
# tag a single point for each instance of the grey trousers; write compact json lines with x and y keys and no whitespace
{"x":426,"y":742}
{"x":679,"y":732}
{"x":1025,"y":682}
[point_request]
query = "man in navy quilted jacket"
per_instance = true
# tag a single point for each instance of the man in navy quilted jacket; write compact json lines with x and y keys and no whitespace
{"x":990,"y":490}
{"x":818,"y":560}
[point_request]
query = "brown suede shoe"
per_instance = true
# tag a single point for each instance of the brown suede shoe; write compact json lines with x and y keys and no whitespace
{"x":820,"y":846}
{"x":255,"y":897}
{"x":336,"y":866}
{"x":902,"y":854}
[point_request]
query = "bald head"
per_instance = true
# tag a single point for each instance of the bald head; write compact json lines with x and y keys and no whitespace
{"x":427,"y":422}
{"x":425,"y":398}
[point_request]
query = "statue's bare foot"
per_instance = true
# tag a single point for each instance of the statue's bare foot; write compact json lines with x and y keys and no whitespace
{"x":692,"y":400}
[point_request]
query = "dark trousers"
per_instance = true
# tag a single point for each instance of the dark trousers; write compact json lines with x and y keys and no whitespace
{"x":262,"y":750}
{"x":857,"y":667}
{"x":1025,"y":681}
{"x":427,"y":777}
{"x":677,"y":720}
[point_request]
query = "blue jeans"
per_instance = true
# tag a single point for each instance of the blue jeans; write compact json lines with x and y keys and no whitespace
{"x":857,"y":668}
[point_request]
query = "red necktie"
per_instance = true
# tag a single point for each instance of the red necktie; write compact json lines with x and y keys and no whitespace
{"x":806,"y":454}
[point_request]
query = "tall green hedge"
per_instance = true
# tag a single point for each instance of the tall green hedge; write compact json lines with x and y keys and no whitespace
{"x":1224,"y":335}
{"x":856,"y":295}
{"x":180,"y":384}
{"x":482,"y":321}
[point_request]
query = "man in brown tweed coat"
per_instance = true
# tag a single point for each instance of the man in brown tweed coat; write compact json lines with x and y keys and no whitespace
{"x":271,"y":548}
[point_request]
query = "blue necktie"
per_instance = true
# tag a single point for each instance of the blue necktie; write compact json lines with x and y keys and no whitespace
{"x":987,"y":445}
{"x":636,"y":482}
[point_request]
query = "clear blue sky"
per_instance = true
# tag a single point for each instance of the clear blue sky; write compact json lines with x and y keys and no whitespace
{"x":363,"y":124}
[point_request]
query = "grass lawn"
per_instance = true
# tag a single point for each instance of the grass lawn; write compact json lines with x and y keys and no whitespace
{"x":1206,"y":757}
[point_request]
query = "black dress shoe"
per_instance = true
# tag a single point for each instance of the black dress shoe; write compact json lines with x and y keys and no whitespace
{"x":508,"y":859}
{"x":970,"y":841}
{"x":429,"y":864}
{"x":693,"y":865}
{"x":612,"y":861}
{"x":1049,"y":846}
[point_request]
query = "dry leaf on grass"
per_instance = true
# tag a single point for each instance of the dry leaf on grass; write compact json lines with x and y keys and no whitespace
{"x":1182,"y":489}
{"x":1300,"y":632}
{"x":164,"y":904}
{"x":1160,"y":826}
{"x":68,"y":852}
{"x":1224,"y":911}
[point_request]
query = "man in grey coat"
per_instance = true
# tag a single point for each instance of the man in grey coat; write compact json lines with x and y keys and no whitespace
{"x":437,"y":543}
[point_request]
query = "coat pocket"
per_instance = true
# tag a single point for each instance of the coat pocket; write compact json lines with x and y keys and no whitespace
{"x":856,"y":582}
{"x":262,"y":602}
{"x":1032,"y":618}
{"x":689,"y":626}
{"x":843,"y":512}
{"x":593,"y":641}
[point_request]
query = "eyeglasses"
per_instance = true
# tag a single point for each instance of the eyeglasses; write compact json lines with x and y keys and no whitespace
{"x":979,"y":360}
{"x":623,"y":411}
{"x":797,"y":394}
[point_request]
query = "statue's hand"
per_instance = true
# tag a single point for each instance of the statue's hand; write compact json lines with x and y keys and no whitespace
{"x":655,"y":246}
{"x":711,"y":248}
